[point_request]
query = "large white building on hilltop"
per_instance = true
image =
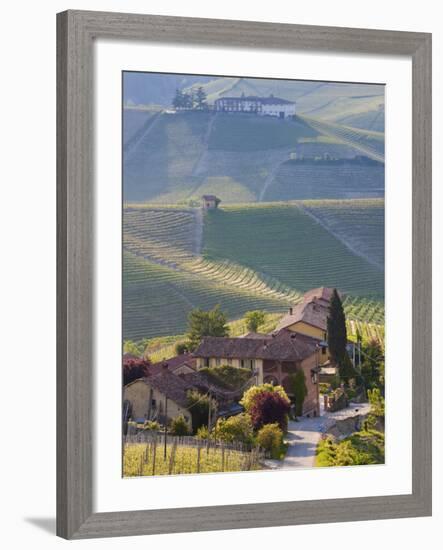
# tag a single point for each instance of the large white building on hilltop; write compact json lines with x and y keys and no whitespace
{"x":270,"y":106}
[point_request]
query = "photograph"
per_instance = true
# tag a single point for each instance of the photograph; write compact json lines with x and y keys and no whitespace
{"x":253,"y":274}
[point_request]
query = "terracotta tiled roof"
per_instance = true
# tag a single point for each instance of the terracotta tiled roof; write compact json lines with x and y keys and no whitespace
{"x":282,"y":346}
{"x":313,"y":310}
{"x":321,"y":293}
{"x":173,"y":363}
{"x":170,"y":385}
{"x":312,"y":313}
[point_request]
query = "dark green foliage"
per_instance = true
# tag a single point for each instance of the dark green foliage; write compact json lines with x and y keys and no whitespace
{"x":198,"y":406}
{"x":200,"y":98}
{"x":181,"y":348}
{"x":254,"y":319}
{"x":373,"y":365}
{"x":231,"y":378}
{"x":206,"y":323}
{"x":178,"y":426}
{"x":299,"y":390}
{"x":336,"y":323}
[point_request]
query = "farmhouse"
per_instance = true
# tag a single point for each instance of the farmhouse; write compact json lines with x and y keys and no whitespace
{"x":310,"y":316}
{"x":271,"y":358}
{"x":210,"y":202}
{"x":270,"y":106}
{"x":160,"y":397}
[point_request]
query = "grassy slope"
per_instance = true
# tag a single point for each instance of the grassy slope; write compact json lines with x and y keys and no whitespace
{"x":179,"y":159}
{"x":244,"y":133}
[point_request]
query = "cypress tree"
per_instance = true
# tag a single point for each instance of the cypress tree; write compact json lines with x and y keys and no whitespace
{"x":337,"y":336}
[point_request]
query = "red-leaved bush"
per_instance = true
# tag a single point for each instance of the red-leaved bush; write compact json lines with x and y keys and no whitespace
{"x":134,"y":369}
{"x":269,"y":408}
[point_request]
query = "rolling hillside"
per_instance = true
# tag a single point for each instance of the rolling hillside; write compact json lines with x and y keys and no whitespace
{"x":176,"y":157}
{"x":243,"y":257}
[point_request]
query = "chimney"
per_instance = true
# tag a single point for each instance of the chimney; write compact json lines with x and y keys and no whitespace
{"x":291,"y":310}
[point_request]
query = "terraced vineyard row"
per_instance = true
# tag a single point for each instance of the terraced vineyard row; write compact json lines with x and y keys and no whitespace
{"x":298,"y":181}
{"x":164,"y":235}
{"x":284,"y":243}
{"x":358,"y":223}
{"x":368,"y":142}
{"x":157,"y":299}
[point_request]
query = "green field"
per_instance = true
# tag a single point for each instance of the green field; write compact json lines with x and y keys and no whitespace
{"x":255,"y":256}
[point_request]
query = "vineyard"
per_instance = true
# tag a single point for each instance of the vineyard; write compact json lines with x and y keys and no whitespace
{"x":261,"y":256}
{"x":370,"y":143}
{"x":174,"y":158}
{"x":299,"y":181}
{"x":185,"y":455}
{"x":283,"y":242}
{"x":358,"y":223}
{"x":245,"y":132}
{"x":157,"y":299}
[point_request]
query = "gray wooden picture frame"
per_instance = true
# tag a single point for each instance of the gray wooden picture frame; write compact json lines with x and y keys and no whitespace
{"x":76,"y":32}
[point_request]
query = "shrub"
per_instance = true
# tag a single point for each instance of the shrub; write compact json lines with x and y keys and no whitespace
{"x":270,"y":438}
{"x":364,"y":447}
{"x":179,"y":426}
{"x":236,"y":428}
{"x":252,"y":393}
{"x":268,"y":408}
{"x":202,"y":433}
{"x":151,"y":425}
{"x":181,"y":348}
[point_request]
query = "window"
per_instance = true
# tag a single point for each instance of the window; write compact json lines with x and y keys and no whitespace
{"x":206,"y":361}
{"x":323,"y":350}
{"x":153,"y":403}
{"x":217,"y":361}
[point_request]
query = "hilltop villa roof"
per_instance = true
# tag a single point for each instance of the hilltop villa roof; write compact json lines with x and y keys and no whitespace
{"x":270,"y":100}
{"x":282,"y":346}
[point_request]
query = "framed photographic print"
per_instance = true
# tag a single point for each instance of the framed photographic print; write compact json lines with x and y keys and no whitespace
{"x":244,"y":274}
